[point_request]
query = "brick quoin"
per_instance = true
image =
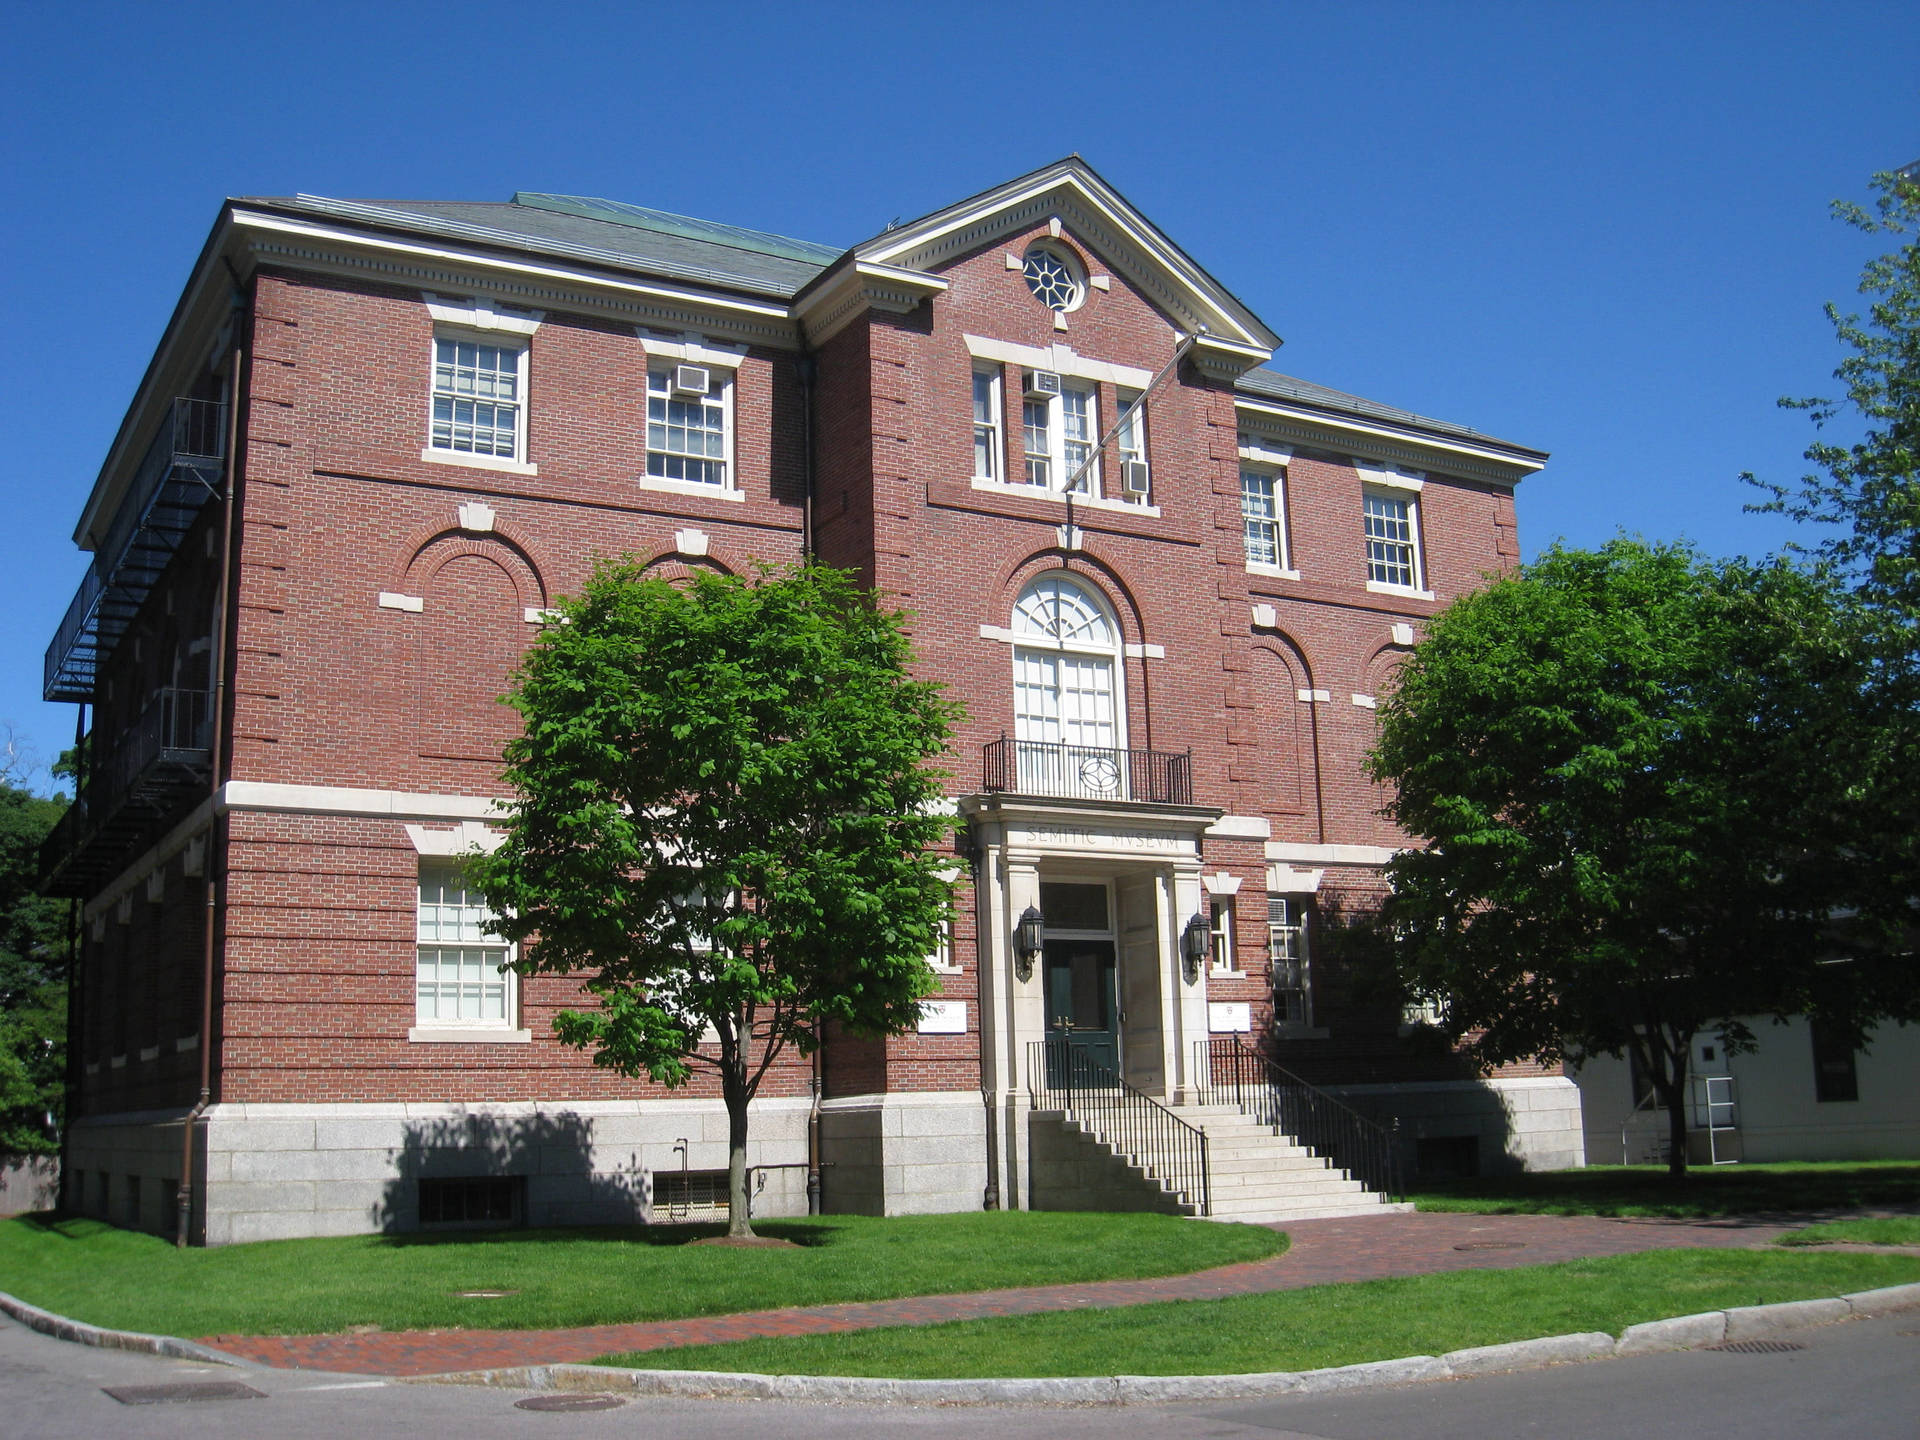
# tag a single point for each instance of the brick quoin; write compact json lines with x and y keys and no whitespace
{"x":851,"y":417}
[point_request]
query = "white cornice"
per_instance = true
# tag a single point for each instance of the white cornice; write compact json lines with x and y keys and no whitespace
{"x":1416,"y":449}
{"x":1098,"y":216}
{"x":1219,"y":358}
{"x":857,"y":287}
{"x":564,"y":284}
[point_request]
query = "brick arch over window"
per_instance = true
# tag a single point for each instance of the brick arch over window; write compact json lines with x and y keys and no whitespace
{"x":429,"y":551}
{"x":1136,"y":679}
{"x":1280,"y":673}
{"x":467,"y":641}
{"x":1382,"y":669}
{"x":679,"y":569}
{"x":1089,"y":571}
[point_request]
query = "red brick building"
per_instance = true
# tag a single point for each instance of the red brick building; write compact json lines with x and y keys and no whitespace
{"x":1167,"y":584}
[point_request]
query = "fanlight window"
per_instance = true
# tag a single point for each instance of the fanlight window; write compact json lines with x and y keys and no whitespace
{"x":1066,"y":695}
{"x":1055,"y":608}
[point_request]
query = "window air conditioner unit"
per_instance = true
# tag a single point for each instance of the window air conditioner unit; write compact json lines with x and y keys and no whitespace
{"x":691,"y":380}
{"x":1042,"y":384}
{"x":1135,"y":478}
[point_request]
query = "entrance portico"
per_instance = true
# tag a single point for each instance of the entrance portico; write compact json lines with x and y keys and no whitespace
{"x":1116,"y":883}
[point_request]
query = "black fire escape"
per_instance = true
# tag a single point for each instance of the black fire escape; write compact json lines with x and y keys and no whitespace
{"x":134,"y":782}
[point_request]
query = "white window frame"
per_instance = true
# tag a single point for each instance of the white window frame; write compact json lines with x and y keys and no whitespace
{"x":1055,"y":457}
{"x":1130,"y":438}
{"x":1402,"y":487}
{"x":729,"y":484}
{"x":507,"y":343}
{"x":1059,"y":358}
{"x":1289,"y":934}
{"x":989,"y":449}
{"x":1220,"y":935}
{"x":468,"y":916}
{"x":1053,"y":653}
{"x":1275,"y":478}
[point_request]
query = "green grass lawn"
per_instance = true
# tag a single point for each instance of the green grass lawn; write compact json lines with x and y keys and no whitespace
{"x":1898,"y":1230}
{"x":1705,"y":1190}
{"x":125,"y":1280}
{"x":1308,"y":1329}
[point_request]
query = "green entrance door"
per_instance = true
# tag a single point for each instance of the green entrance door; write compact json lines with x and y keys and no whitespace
{"x":1082,"y":1021}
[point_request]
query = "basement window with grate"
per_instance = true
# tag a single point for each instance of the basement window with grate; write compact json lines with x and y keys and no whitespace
{"x":474,"y":1200}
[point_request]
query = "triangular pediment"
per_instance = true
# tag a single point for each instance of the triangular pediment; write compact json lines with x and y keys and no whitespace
{"x":1097,"y":216}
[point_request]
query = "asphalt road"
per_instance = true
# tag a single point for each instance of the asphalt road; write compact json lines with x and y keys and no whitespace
{"x":1854,"y":1381}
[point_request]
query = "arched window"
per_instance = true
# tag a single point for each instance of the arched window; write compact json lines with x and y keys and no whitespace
{"x":1069,"y":728}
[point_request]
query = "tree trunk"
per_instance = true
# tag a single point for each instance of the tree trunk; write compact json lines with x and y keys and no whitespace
{"x":734,"y":1088}
{"x":1677,"y":1131}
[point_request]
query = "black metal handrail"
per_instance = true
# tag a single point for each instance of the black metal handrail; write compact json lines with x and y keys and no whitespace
{"x":1087,"y":772}
{"x":1131,"y":1123}
{"x":182,"y":469}
{"x":1231,"y":1072}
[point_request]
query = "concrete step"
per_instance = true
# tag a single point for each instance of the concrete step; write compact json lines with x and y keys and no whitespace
{"x":1280,"y":1215}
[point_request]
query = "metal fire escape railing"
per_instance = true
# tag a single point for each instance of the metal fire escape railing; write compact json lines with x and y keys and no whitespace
{"x":1062,"y":1076}
{"x":1087,"y":772}
{"x":182,"y":469}
{"x":151,"y":769}
{"x":1233,"y":1073}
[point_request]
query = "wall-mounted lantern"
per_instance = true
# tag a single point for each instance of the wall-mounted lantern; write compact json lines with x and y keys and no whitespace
{"x":1029,"y":936}
{"x":1194,"y":943}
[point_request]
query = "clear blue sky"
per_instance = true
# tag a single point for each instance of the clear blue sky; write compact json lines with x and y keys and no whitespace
{"x":1601,"y":230}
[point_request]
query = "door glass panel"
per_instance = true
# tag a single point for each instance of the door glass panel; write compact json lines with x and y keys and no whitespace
{"x":1074,"y":907}
{"x":1090,"y":990}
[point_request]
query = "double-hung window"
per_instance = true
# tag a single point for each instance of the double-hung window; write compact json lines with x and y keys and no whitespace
{"x":1393,"y":538}
{"x":1060,"y":434}
{"x":461,"y":979}
{"x":1131,"y":437}
{"x":1079,"y":433}
{"x":1287,"y":949}
{"x":1220,"y":934}
{"x":689,"y":424}
{"x":1263,"y":518}
{"x":479,"y":398}
{"x":1037,"y":427}
{"x":987,"y":450}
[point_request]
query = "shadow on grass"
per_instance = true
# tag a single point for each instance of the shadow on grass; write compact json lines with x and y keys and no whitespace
{"x":808,"y":1234}
{"x":1755,"y":1194}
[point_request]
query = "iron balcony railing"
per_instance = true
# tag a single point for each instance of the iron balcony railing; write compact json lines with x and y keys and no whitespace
{"x":1087,"y":772}
{"x":1063,"y":1076}
{"x":1233,"y":1073}
{"x":182,"y":469}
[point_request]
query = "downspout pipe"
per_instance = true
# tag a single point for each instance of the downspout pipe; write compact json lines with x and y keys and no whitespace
{"x":217,"y":758}
{"x":808,"y":369}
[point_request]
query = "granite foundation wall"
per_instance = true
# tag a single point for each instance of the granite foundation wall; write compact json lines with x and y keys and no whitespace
{"x":919,"y":1153}
{"x":1530,"y":1123}
{"x":272,"y":1171}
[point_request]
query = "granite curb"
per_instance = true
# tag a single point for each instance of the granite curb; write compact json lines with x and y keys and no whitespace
{"x":1684,"y":1332}
{"x":81,"y":1333}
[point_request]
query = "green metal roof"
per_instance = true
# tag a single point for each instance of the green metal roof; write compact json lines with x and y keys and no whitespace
{"x":760,"y":242}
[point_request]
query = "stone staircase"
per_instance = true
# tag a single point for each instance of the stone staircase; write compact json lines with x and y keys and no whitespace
{"x":1259,"y":1177}
{"x":1256,"y":1176}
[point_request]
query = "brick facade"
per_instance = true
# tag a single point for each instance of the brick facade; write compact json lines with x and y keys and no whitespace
{"x":382,"y":595}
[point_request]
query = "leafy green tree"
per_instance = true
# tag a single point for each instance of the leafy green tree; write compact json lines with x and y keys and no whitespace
{"x":33,"y":985}
{"x":726,"y":822}
{"x":1641,"y":781}
{"x":1870,"y":490}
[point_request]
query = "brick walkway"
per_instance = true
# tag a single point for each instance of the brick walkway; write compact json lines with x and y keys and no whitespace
{"x":1371,"y":1247}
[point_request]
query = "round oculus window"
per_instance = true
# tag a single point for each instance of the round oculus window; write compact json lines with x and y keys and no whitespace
{"x":1053,"y":279}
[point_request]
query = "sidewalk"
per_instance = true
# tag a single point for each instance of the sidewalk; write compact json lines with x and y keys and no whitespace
{"x":1324,"y":1252}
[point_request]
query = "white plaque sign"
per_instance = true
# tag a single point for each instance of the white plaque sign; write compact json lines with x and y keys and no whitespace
{"x":1225,"y":1016}
{"x":945,"y":1017}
